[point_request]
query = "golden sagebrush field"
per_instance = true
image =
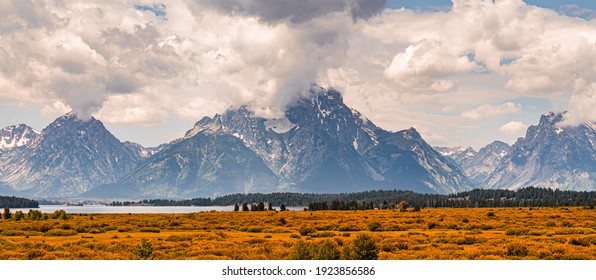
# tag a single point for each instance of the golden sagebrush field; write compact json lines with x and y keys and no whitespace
{"x":500,"y":233}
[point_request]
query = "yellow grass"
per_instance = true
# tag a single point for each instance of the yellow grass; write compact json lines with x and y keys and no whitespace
{"x":508,"y":233}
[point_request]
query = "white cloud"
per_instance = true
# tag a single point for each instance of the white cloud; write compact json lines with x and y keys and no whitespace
{"x":88,"y":54}
{"x":537,"y":51}
{"x":128,"y":66}
{"x":422,"y":66}
{"x":577,"y":11}
{"x":491,"y":111}
{"x":513,"y":127}
{"x":54,"y":110}
{"x":582,"y":108}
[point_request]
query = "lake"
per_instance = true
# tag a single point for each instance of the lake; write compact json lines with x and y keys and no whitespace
{"x":103,"y":209}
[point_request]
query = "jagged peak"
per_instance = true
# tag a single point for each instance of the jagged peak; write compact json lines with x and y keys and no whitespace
{"x":410,"y":133}
{"x":20,"y":126}
{"x":469,"y":149}
{"x":72,"y":115}
{"x":551,"y":118}
{"x":498,"y":143}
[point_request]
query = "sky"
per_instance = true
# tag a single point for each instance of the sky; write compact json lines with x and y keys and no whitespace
{"x":462,"y":72}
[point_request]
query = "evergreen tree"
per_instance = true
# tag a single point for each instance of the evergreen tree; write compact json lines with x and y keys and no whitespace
{"x":6,"y":215}
{"x":363,"y":248}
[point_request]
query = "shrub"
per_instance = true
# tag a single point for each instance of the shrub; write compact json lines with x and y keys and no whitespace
{"x":586,"y":241}
{"x":293,"y":235}
{"x":452,"y":226}
{"x":517,"y":249}
{"x":254,"y":230}
{"x":490,"y":214}
{"x":178,"y":238}
{"x":468,"y":240}
{"x":154,"y":230}
{"x":34,"y":215}
{"x":486,"y":227}
{"x":432,"y":225}
{"x":322,"y":234}
{"x":363,"y":248}
{"x":302,"y":251}
{"x":327,"y":251}
{"x":19,"y":215}
{"x":374,"y":226}
{"x":465,"y":220}
{"x":60,"y":214}
{"x":402,"y":246}
{"x":42,"y":227}
{"x":306,"y":230}
{"x":517,"y":232}
{"x":349,"y":228}
{"x":143,"y":251}
{"x":282,"y":221}
{"x":57,"y":232}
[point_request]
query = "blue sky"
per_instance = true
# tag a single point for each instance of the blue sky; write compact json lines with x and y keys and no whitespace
{"x":150,"y":70}
{"x":563,"y":6}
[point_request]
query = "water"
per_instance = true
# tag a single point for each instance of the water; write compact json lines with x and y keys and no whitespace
{"x":102,"y":209}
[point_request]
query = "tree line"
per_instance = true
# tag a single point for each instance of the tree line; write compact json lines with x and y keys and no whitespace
{"x":17,"y":202}
{"x":390,"y":199}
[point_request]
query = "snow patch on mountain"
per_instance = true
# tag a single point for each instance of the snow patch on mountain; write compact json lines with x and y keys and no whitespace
{"x":17,"y":136}
{"x":280,"y":126}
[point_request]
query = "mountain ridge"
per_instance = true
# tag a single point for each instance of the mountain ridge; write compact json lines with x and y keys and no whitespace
{"x":319,"y":145}
{"x":323,"y":145}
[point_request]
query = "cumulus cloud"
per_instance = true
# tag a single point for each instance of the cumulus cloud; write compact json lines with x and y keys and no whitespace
{"x":423,"y":65}
{"x":513,"y":127}
{"x":177,"y":58}
{"x":137,"y":61}
{"x":581,"y":108}
{"x":535,"y":50}
{"x":491,"y":111}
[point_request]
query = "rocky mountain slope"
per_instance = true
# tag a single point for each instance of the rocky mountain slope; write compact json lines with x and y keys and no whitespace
{"x":69,"y":157}
{"x":550,"y":156}
{"x":15,"y":136}
{"x":320,"y":145}
{"x":477,"y":165}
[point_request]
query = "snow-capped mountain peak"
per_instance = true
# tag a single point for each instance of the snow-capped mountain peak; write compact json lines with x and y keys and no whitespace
{"x":17,"y":136}
{"x":550,"y":155}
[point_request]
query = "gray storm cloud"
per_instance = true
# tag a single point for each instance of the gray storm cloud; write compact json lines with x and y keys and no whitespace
{"x":297,"y":11}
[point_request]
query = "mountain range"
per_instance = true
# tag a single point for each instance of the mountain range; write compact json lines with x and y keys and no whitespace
{"x":319,"y":145}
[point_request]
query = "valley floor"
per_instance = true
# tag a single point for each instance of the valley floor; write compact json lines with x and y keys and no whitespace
{"x":499,"y":233}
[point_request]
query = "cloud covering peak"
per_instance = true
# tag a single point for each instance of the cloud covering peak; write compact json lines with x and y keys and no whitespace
{"x":142,"y":62}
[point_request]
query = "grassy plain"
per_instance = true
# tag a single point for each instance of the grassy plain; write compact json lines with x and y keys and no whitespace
{"x":500,"y":233}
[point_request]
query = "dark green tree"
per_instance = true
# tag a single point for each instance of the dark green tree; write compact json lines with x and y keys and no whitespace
{"x":261,"y":206}
{"x":363,"y":248}
{"x":6,"y":215}
{"x":18,"y":215}
{"x":143,"y":251}
{"x":302,"y":251}
{"x":327,"y":251}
